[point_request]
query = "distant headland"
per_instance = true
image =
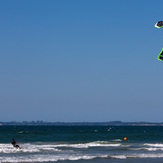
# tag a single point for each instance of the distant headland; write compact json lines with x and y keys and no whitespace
{"x":111,"y":123}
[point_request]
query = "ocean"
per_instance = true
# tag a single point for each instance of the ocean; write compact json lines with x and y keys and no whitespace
{"x":82,"y":144}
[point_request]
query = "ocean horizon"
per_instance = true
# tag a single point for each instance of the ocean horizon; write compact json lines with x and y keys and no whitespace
{"x":109,"y":123}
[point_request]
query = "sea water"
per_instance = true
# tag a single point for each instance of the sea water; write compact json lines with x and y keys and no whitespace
{"x":82,"y":144}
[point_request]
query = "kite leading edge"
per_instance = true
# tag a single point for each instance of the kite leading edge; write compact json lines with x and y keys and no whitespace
{"x":159,"y":24}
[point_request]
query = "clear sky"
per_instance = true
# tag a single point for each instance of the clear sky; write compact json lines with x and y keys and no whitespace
{"x":81,"y":60}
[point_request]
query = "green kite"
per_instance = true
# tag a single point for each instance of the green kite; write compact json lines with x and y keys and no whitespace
{"x":160,"y":56}
{"x":160,"y":25}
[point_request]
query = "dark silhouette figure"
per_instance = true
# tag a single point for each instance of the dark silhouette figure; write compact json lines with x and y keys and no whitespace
{"x":14,"y":143}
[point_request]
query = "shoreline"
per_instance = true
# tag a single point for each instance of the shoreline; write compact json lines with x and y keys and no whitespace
{"x":112,"y":123}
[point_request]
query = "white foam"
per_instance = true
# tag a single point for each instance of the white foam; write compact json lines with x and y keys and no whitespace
{"x":91,"y":144}
{"x":35,"y":148}
{"x":56,"y":152}
{"x":27,"y":148}
{"x":48,"y":158}
{"x":154,"y":145}
{"x":148,"y":149}
{"x":154,"y":149}
{"x":159,"y":155}
{"x":119,"y":157}
{"x":118,"y":140}
{"x":71,"y":156}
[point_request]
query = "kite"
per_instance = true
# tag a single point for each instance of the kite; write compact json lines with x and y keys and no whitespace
{"x":160,"y":56}
{"x":159,"y":24}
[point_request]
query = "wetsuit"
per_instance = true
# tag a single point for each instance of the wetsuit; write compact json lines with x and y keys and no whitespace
{"x":14,"y":144}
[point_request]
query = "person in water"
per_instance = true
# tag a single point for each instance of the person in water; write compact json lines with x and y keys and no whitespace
{"x":14,"y":143}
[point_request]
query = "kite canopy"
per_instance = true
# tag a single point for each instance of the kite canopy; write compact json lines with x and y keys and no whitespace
{"x":159,"y":24}
{"x":160,"y":56}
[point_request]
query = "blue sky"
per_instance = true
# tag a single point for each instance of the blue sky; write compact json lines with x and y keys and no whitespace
{"x":80,"y":60}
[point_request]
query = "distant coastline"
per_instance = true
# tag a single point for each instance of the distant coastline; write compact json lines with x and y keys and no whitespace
{"x":111,"y":123}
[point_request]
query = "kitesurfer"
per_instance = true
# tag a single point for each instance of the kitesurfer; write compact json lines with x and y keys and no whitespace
{"x":14,"y":143}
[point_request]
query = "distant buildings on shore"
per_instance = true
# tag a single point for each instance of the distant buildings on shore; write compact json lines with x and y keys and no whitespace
{"x":111,"y":123}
